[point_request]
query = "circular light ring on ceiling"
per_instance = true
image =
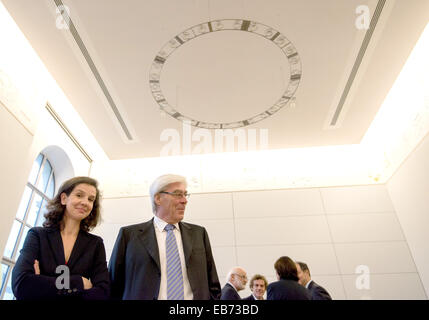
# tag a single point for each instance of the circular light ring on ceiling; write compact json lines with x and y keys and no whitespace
{"x":222,"y":25}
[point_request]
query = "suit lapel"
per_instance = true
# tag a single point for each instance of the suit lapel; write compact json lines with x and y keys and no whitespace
{"x":57,"y":247}
{"x":187,"y":240}
{"x":148,"y":237}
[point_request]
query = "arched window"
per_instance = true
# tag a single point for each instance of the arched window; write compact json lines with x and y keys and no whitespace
{"x":39,"y":189}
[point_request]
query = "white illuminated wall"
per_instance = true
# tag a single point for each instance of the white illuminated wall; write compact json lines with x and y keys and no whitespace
{"x":26,"y":127}
{"x":409,"y":190}
{"x":334,"y":230}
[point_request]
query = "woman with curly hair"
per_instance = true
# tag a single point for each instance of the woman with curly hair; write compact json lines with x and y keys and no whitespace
{"x":62,"y":260}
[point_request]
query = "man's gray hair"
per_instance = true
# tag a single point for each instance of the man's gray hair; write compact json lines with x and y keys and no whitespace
{"x":233,"y":271}
{"x":161,"y":183}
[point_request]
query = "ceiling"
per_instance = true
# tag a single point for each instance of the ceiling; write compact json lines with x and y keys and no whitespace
{"x":298,"y":72}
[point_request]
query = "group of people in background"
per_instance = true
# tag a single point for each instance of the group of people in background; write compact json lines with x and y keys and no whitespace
{"x":160,"y":259}
{"x":293,"y":283}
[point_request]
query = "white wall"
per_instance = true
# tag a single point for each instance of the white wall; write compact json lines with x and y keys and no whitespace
{"x":20,"y":103}
{"x":20,"y":145}
{"x":409,"y":190}
{"x":20,"y":150}
{"x":332,"y":229}
{"x":26,"y":128}
{"x":15,"y":142}
{"x":22,"y":141}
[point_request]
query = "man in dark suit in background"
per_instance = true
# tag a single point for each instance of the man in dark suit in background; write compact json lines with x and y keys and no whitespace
{"x":317,"y":292}
{"x":287,"y":286}
{"x":237,"y":279}
{"x":258,"y":286}
{"x":164,"y":258}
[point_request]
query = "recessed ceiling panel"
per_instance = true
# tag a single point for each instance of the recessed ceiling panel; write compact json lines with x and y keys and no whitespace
{"x":238,"y":77}
{"x":203,"y":75}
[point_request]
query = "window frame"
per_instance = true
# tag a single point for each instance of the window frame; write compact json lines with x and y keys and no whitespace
{"x":35,"y":191}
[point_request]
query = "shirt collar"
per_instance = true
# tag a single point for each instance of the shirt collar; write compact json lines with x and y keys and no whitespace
{"x":160,"y":224}
{"x":255,"y":297}
{"x":308,"y":283}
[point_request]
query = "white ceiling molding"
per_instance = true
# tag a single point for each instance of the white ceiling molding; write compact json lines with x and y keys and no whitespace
{"x":79,"y":42}
{"x":358,"y":61}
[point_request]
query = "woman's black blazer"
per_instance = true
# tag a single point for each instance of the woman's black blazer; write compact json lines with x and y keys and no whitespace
{"x":87,"y":259}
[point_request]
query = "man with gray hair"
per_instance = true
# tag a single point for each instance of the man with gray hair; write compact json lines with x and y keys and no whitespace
{"x":164,"y":258}
{"x":236,"y":281}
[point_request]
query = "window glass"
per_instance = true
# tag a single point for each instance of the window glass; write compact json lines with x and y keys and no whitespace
{"x":39,"y":189}
{"x":21,"y":243}
{"x":8,"y":294}
{"x":41,"y":217}
{"x":35,"y":169}
{"x":44,"y":178}
{"x":4,"y":269}
{"x":11,"y":241}
{"x":34,"y":210}
{"x":24,"y":203}
{"x":51,"y":188}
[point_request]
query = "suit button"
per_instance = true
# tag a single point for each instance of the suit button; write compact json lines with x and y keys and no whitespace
{"x":69,"y":291}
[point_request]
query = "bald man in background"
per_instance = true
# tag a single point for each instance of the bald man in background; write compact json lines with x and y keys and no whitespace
{"x":236,"y":281}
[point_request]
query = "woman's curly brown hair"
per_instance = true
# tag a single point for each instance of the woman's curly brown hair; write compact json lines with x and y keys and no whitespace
{"x":55,"y":213}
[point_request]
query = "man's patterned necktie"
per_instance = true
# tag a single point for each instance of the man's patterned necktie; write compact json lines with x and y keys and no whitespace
{"x":174,"y":268}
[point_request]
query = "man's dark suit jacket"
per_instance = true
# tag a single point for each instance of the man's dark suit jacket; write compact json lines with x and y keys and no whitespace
{"x":317,"y":292}
{"x":287,"y":290}
{"x":88,"y":259}
{"x":229,"y":293}
{"x":135,"y":270}
{"x":251,"y":297}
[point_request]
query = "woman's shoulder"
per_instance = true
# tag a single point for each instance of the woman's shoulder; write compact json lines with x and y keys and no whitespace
{"x":91,"y":236}
{"x":42,"y":230}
